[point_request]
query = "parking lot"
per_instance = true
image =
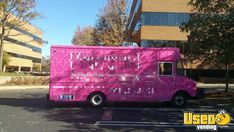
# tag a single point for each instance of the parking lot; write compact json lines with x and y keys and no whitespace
{"x":27,"y":110}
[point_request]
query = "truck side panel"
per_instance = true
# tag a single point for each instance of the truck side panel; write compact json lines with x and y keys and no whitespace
{"x":121,"y":74}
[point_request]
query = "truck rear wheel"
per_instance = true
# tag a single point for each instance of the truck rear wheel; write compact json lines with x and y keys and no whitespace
{"x":97,"y":99}
{"x":179,"y":100}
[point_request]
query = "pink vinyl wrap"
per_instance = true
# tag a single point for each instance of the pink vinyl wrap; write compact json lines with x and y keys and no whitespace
{"x":120,"y":73}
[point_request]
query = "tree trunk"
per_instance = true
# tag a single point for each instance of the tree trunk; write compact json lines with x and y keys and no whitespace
{"x":227,"y":77}
{"x":1,"y":54}
{"x":227,"y":53}
{"x":2,"y":44}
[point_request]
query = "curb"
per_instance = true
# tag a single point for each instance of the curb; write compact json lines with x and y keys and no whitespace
{"x":22,"y":87}
{"x":216,"y":86}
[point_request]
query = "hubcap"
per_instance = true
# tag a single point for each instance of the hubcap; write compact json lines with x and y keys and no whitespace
{"x":96,"y":100}
{"x":179,"y":100}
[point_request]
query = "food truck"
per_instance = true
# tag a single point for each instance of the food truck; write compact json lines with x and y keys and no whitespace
{"x":100,"y":74}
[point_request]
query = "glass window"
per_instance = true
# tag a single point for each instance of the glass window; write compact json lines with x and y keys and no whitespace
{"x":25,"y":32}
{"x":147,"y":19}
{"x":186,"y":17}
{"x":35,"y":49}
{"x":179,"y":65}
{"x":161,"y":43}
{"x":138,"y":24}
{"x":172,"y":19}
{"x":35,"y":60}
{"x":165,"y":68}
{"x":180,"y":68}
{"x":163,"y":19}
{"x":134,"y":13}
{"x":180,"y":18}
{"x":155,"y":19}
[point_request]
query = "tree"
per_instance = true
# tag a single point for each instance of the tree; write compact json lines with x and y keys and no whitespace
{"x":36,"y":67}
{"x":6,"y":59}
{"x":14,"y":13}
{"x":45,"y":64}
{"x":84,"y":36}
{"x":210,"y":33}
{"x":111,"y":24}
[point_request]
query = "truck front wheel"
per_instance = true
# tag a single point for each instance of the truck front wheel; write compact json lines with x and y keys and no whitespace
{"x":97,"y":99}
{"x":179,"y":100}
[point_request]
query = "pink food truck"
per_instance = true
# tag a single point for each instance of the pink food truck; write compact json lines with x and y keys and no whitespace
{"x":110,"y":74}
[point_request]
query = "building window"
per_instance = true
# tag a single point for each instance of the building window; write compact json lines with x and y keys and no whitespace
{"x":161,"y":43}
{"x":138,"y":24}
{"x":35,"y":38}
{"x":34,"y":60}
{"x":164,"y":19}
{"x":35,"y":49}
{"x":134,"y":13}
{"x":165,"y":68}
{"x":184,"y":48}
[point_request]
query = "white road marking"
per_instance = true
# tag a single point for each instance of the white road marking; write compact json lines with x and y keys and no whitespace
{"x":202,"y":109}
{"x":147,"y":124}
{"x":130,"y":122}
{"x":141,"y":124}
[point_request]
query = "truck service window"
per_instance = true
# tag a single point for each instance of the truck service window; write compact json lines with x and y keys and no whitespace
{"x":165,"y":68}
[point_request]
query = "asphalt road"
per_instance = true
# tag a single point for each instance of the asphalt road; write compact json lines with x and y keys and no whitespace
{"x":27,"y":111}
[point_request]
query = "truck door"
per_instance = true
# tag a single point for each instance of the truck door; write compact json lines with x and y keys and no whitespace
{"x":165,"y":83}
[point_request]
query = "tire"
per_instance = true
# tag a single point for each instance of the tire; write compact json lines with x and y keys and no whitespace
{"x":97,"y":99}
{"x":179,"y":100}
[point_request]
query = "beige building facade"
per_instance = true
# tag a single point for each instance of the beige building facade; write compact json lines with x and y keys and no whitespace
{"x":156,"y":22}
{"x":24,"y":45}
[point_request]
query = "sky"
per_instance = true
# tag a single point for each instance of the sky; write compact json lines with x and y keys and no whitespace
{"x":59,"y":19}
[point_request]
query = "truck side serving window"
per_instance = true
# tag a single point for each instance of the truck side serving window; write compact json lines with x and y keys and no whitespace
{"x":165,"y":68}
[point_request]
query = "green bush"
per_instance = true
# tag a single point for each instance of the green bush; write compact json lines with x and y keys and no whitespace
{"x":36,"y":67}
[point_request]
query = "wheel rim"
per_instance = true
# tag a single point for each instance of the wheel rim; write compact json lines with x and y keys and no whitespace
{"x":179,"y":100}
{"x":96,"y":100}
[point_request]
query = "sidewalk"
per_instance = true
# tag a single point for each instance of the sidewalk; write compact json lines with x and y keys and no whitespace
{"x":199,"y":85}
{"x":22,"y":87}
{"x":202,"y":85}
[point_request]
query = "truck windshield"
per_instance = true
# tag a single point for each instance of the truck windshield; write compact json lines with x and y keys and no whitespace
{"x":180,"y":68}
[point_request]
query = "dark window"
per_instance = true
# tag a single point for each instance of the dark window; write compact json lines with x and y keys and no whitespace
{"x":172,"y":19}
{"x":161,"y":43}
{"x":180,"y":18}
{"x":35,"y":49}
{"x":147,"y":19}
{"x":155,"y":19}
{"x":25,"y":32}
{"x":165,"y":68}
{"x":164,"y":19}
{"x":35,"y":60}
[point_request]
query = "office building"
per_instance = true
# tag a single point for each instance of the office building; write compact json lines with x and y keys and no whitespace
{"x":155,"y":23}
{"x":24,"y":45}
